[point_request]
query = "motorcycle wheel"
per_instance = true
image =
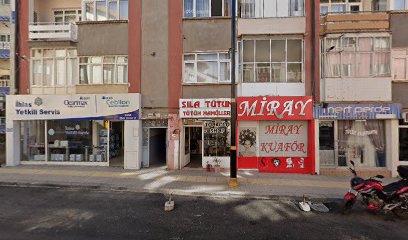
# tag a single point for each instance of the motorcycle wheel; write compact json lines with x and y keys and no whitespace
{"x":348,"y":206}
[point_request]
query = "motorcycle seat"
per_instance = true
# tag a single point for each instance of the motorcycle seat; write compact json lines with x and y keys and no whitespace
{"x":395,"y":186}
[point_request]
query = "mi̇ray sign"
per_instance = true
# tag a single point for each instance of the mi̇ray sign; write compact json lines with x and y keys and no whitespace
{"x":205,"y":108}
{"x":275,"y":108}
{"x":81,"y":107}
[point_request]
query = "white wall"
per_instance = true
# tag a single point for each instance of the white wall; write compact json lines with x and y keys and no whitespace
{"x":271,"y":89}
{"x":286,"y":25}
{"x":357,"y":89}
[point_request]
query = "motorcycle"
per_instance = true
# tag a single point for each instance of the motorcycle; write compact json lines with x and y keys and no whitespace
{"x":376,"y":197}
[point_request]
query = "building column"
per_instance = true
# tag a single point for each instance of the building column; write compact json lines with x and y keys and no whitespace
{"x":133,"y":144}
{"x":13,"y":143}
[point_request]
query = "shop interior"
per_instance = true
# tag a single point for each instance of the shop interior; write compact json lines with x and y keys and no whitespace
{"x":116,"y":144}
{"x":194,"y":146}
{"x":157,"y":147}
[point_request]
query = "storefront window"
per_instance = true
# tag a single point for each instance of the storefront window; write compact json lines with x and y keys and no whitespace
{"x":32,"y":137}
{"x":363,"y":142}
{"x":217,"y":138}
{"x":64,"y":141}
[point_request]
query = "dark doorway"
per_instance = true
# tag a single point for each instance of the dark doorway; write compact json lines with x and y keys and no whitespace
{"x":196,"y":146}
{"x":158,"y":147}
{"x":116,"y":145}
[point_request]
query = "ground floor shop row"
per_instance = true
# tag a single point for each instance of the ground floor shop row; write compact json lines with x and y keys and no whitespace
{"x":274,"y":134}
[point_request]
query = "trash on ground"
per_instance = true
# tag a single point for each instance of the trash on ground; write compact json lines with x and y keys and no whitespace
{"x":169,"y":205}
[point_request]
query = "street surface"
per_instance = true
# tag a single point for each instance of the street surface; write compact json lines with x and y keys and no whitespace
{"x":61,"y":213}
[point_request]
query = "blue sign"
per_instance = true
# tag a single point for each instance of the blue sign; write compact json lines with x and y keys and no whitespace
{"x":358,"y":111}
{"x":4,"y":91}
{"x":125,"y":116}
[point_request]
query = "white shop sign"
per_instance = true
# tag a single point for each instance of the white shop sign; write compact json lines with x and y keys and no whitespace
{"x":81,"y":106}
{"x":283,"y":138}
{"x":205,"y":108}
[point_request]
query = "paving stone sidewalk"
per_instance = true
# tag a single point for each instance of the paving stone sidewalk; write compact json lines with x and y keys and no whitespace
{"x":182,"y":182}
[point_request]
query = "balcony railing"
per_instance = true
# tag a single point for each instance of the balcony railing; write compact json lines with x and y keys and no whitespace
{"x":4,"y":45}
{"x":349,"y":22}
{"x":53,"y":31}
{"x":4,"y":82}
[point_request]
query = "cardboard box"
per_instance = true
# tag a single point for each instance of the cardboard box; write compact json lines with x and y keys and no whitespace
{"x":79,"y":157}
{"x":64,"y":143}
{"x":72,"y":157}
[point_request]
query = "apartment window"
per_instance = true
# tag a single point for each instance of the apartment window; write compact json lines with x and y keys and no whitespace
{"x":67,"y":16}
{"x":271,"y":8}
{"x":4,"y":38}
{"x":103,"y":70}
{"x":379,"y":5}
{"x":102,"y":10}
{"x":400,"y":64}
{"x":207,"y":68}
{"x":279,"y":61}
{"x":357,"y":57}
{"x":397,"y":5}
{"x":54,"y":67}
{"x":207,"y":8}
{"x":339,"y":6}
{"x":5,"y":1}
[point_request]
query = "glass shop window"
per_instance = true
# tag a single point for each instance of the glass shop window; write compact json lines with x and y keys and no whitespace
{"x":217,"y":138}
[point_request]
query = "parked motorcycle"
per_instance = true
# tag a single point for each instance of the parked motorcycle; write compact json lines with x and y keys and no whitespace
{"x":376,"y":197}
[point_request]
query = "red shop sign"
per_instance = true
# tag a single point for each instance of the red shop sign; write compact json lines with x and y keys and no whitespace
{"x":275,"y":108}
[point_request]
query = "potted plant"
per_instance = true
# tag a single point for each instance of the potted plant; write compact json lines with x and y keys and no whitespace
{"x":217,"y":165}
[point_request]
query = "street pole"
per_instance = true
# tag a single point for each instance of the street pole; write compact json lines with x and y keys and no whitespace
{"x":233,"y":181}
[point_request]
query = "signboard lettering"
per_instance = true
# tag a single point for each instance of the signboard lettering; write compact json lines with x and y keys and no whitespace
{"x":275,"y":108}
{"x":205,"y":108}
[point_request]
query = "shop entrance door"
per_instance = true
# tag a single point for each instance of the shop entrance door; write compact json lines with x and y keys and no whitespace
{"x":116,"y":144}
{"x":157,"y":147}
{"x":193,"y":148}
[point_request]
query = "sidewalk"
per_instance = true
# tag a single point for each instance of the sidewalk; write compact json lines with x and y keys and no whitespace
{"x":180,"y":182}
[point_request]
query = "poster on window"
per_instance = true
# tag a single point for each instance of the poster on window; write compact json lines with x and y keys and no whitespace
{"x":247,"y":142}
{"x":283,"y":138}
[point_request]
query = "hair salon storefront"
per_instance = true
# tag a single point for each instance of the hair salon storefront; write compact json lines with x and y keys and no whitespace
{"x":206,"y":132}
{"x":86,"y":129}
{"x":362,"y":133}
{"x":276,"y":134}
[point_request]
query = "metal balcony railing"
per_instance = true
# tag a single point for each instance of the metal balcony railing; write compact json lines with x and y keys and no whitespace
{"x":4,"y":82}
{"x":4,"y":45}
{"x":53,"y":31}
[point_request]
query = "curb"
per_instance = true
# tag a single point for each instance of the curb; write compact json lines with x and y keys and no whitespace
{"x":166,"y":192}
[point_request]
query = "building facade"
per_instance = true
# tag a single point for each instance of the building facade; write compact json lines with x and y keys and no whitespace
{"x":147,"y":83}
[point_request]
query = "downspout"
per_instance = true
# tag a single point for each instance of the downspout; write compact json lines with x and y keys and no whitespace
{"x":16,"y":47}
{"x":313,"y":50}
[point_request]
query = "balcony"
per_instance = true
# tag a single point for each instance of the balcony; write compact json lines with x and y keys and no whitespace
{"x":354,"y":22}
{"x":53,"y":32}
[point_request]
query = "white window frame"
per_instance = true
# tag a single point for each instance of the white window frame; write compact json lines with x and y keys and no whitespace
{"x":278,"y":3}
{"x":346,"y":3}
{"x":78,"y":14}
{"x":67,"y":82}
{"x":209,"y":9}
{"x":84,"y":2}
{"x":242,"y":63}
{"x":340,"y":49}
{"x":115,"y":64}
{"x":400,"y":54}
{"x":195,"y":62}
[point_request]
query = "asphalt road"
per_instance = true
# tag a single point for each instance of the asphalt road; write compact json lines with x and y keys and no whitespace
{"x":44,"y":213}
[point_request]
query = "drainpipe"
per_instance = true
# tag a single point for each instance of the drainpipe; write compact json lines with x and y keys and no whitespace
{"x":313,"y":50}
{"x":16,"y":54}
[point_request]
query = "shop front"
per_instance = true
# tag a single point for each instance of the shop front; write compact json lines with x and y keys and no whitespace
{"x":206,"y":132}
{"x":276,"y":134}
{"x":362,"y":133}
{"x":86,"y":129}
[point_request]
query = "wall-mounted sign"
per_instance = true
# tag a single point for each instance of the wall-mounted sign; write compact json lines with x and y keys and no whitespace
{"x":80,"y":107}
{"x":358,"y":111}
{"x":275,"y":108}
{"x":205,"y":108}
